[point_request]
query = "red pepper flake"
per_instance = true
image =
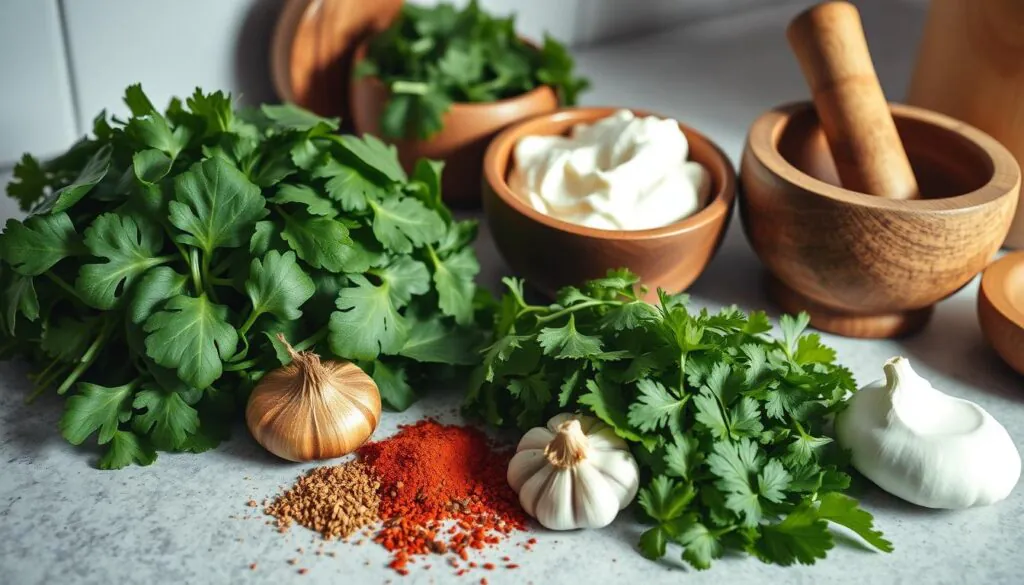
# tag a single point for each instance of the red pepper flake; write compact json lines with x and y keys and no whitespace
{"x":506,"y":559}
{"x":483,"y":581}
{"x":460,"y":572}
{"x":303,"y":571}
{"x":511,"y":566}
{"x":532,"y":541}
{"x":489,"y":566}
{"x":252,"y":567}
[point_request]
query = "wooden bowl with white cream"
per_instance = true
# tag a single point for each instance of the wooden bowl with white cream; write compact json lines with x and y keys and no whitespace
{"x":552,"y":248}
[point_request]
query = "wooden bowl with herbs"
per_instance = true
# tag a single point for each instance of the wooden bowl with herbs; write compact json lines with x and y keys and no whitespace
{"x":551,"y":253}
{"x":440,"y":83}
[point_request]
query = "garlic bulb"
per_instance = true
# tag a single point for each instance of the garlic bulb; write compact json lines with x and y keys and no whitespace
{"x":575,"y":473}
{"x":310,"y":409}
{"x":927,"y":447}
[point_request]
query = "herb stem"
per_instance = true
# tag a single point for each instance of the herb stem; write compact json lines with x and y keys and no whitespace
{"x":86,"y":361}
{"x":207,"y":279}
{"x":193,"y":265}
{"x":43,"y":380}
{"x":311,"y":340}
{"x":410,"y":87}
{"x":574,"y":308}
{"x":64,"y":285}
{"x":248,"y":323}
{"x":240,"y":365}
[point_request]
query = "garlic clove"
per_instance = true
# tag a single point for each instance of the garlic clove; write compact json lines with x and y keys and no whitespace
{"x":927,"y":447}
{"x":524,"y":465}
{"x":619,"y":471}
{"x":536,"y":438}
{"x":533,"y":490}
{"x":590,"y":491}
{"x":555,"y":504}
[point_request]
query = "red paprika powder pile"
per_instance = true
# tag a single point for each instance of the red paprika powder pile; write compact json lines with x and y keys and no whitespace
{"x":443,"y":489}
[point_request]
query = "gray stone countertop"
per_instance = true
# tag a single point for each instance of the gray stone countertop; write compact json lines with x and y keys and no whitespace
{"x":185,"y":519}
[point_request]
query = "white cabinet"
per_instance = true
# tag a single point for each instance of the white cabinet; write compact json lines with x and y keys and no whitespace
{"x":36,"y":108}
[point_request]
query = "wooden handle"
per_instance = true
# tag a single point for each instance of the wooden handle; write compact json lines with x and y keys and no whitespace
{"x":829,"y":42}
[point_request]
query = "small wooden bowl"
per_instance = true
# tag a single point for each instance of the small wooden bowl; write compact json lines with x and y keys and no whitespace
{"x":866,"y":266}
{"x":1001,"y":308}
{"x":467,"y":129}
{"x":551,"y":253}
{"x":312,"y":50}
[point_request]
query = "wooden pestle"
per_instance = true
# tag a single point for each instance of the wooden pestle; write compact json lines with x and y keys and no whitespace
{"x":828,"y":40}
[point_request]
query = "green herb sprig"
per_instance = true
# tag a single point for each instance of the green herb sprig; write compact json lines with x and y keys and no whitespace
{"x":728,"y":423}
{"x":164,"y":254}
{"x":432,"y":57}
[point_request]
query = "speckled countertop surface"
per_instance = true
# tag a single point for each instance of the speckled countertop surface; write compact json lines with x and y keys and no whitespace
{"x":185,"y":519}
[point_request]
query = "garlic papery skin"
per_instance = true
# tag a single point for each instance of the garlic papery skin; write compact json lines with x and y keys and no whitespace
{"x":927,"y":447}
{"x":573,"y":473}
{"x":310,"y":409}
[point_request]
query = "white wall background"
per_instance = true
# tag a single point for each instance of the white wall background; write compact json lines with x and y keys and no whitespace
{"x":62,"y":61}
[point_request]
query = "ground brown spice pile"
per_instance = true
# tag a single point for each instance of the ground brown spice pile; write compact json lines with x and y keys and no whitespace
{"x":334,"y":501}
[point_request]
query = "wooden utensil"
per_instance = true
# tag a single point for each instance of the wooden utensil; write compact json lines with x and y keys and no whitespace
{"x":1001,"y":308}
{"x":313,"y":45}
{"x":829,"y":42}
{"x":971,"y":66}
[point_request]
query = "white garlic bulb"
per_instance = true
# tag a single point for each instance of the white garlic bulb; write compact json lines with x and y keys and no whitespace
{"x":927,"y":447}
{"x":310,"y":409}
{"x":574,"y":473}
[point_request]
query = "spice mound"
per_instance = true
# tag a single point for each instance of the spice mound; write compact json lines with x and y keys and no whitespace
{"x":334,"y":501}
{"x":437,"y":489}
{"x":442,"y":489}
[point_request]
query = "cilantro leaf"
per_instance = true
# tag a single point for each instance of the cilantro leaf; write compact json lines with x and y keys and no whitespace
{"x":666,"y":499}
{"x":431,"y":341}
{"x":701,"y":546}
{"x":773,"y":481}
{"x":95,"y":408}
{"x":64,"y":198}
{"x":21,"y":298}
{"x":567,"y":343}
{"x":405,"y":278}
{"x":151,"y":165}
{"x":126,"y":448}
{"x":277,"y":285}
{"x":66,"y":338}
{"x":800,"y":537}
{"x":349,"y":187}
{"x":130,"y":247}
{"x":295,"y":118}
{"x":395,"y":391}
{"x":376,"y":155}
{"x":157,"y":285}
{"x":166,"y":416}
{"x":321,"y":242}
{"x":681,"y":457}
{"x":792,"y":328}
{"x":453,"y":278}
{"x":192,"y":336}
{"x":367,"y":323}
{"x":628,"y":316}
{"x":607,"y":402}
{"x":404,"y":223}
{"x":843,"y":510}
{"x":655,"y":407}
{"x":215,"y":205}
{"x":304,"y":195}
{"x":33,"y":247}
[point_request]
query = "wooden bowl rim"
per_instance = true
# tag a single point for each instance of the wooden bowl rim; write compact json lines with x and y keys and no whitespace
{"x":500,"y":149}
{"x":995,"y":284}
{"x":1005,"y":180}
{"x":281,"y":44}
{"x":456,"y":107}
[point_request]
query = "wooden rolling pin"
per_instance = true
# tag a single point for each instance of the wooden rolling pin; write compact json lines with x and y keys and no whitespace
{"x":828,"y":40}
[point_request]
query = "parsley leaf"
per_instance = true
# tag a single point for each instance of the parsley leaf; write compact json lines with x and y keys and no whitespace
{"x":33,"y":247}
{"x":130,"y":247}
{"x":367,"y":323}
{"x":215,"y":205}
{"x":277,"y":285}
{"x":404,"y":223}
{"x":95,"y":408}
{"x":167,"y":417}
{"x":567,"y":343}
{"x":192,"y":336}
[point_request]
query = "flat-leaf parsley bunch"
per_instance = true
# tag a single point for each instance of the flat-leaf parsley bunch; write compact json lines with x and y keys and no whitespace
{"x":727,"y":422}
{"x":431,"y":57}
{"x":163,"y":256}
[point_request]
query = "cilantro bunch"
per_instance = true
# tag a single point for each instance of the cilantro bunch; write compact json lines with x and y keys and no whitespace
{"x":728,"y":423}
{"x":163,"y":255}
{"x":431,"y":57}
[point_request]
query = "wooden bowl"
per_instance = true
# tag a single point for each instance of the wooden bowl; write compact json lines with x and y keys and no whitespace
{"x":467,"y":129}
{"x":551,"y":253}
{"x":866,"y":266}
{"x":312,"y":49}
{"x":1001,"y":308}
